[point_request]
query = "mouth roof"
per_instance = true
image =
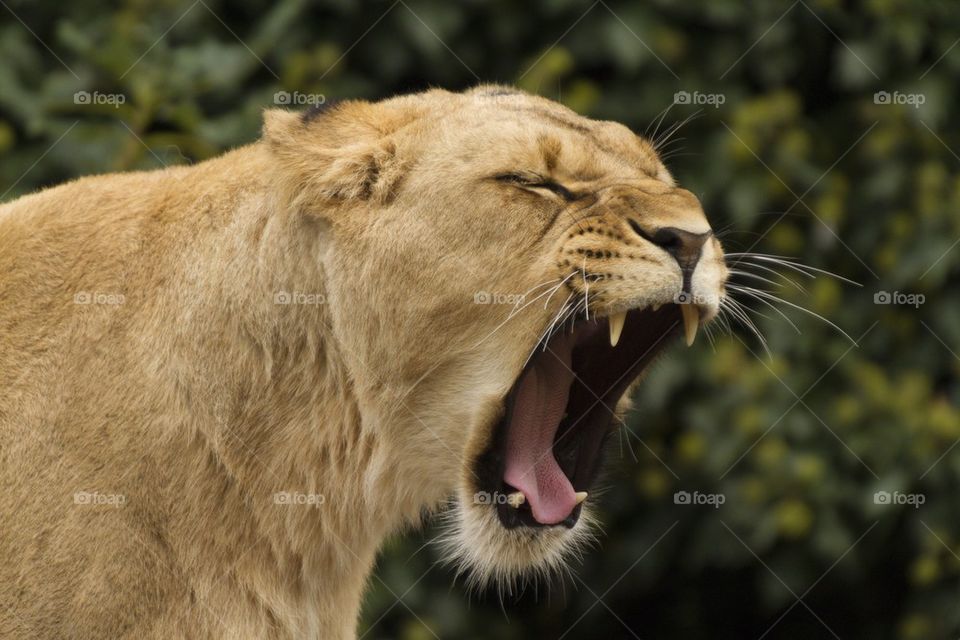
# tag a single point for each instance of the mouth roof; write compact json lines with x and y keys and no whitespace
{"x":546,"y":450}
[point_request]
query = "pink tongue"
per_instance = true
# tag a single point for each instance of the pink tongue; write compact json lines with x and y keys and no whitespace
{"x":538,"y":409}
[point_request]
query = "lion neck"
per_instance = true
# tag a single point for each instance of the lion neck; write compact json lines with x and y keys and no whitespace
{"x":311,"y":470}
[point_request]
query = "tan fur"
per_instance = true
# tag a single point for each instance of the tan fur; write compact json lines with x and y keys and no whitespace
{"x":186,"y":392}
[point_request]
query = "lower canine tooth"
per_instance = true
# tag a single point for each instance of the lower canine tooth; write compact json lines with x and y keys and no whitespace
{"x":581,"y":496}
{"x":616,"y":326}
{"x":516,"y":499}
{"x":691,"y":321}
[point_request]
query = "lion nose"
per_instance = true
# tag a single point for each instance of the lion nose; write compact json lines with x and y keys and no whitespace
{"x":684,"y":246}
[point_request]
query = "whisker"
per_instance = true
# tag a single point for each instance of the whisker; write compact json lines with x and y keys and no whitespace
{"x":676,"y":154}
{"x":624,"y":427}
{"x":723,"y":318}
{"x":770,"y":296}
{"x":673,"y":129}
{"x":777,"y":273}
{"x":561,"y":283}
{"x":669,"y":131}
{"x":513,"y":313}
{"x":747,"y":274}
{"x":566,"y":312}
{"x":586,"y":290}
{"x":789,"y":263}
{"x":555,"y":323}
{"x":738,"y":311}
{"x":673,"y":141}
{"x":524,"y":305}
{"x":522,"y":298}
{"x":756,"y":297}
{"x":659,"y":121}
{"x":757,"y":312}
{"x":709,"y":333}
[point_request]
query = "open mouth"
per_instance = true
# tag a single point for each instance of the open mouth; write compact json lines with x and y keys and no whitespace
{"x":546,"y":450}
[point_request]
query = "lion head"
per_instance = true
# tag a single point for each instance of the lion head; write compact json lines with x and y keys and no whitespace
{"x":500,"y":271}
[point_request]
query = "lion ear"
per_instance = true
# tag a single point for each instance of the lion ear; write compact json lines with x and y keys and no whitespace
{"x":335,"y":155}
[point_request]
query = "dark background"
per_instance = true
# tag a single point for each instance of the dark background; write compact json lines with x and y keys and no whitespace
{"x":802,"y":158}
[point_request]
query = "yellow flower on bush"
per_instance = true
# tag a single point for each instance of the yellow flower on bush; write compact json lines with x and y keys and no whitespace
{"x":653,"y":483}
{"x":925,"y":570}
{"x":691,"y":447}
{"x":794,"y":518}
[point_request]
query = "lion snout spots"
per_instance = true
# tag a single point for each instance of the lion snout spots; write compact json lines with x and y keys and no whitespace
{"x":615,"y":262}
{"x":599,"y":252}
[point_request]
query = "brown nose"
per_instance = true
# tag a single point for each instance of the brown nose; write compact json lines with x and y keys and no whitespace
{"x":684,"y":246}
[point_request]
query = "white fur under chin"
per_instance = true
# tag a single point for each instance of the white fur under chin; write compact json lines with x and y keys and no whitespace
{"x":490,"y":555}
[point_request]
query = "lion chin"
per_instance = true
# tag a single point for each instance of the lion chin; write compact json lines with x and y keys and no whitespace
{"x":486,"y":555}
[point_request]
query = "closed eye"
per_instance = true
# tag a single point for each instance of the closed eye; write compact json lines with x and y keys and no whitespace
{"x":526,"y":180}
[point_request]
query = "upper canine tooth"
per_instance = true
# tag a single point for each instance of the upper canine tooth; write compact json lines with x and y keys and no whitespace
{"x":581,"y":496}
{"x":516,"y":499}
{"x":616,"y":326}
{"x":691,"y":320}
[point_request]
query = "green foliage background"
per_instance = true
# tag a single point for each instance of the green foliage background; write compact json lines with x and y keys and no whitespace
{"x":799,"y":159}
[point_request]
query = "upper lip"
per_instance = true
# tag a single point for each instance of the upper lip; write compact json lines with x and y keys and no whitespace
{"x":601,"y":374}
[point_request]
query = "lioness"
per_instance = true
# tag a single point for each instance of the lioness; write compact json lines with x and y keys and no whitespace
{"x":224,"y":385}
